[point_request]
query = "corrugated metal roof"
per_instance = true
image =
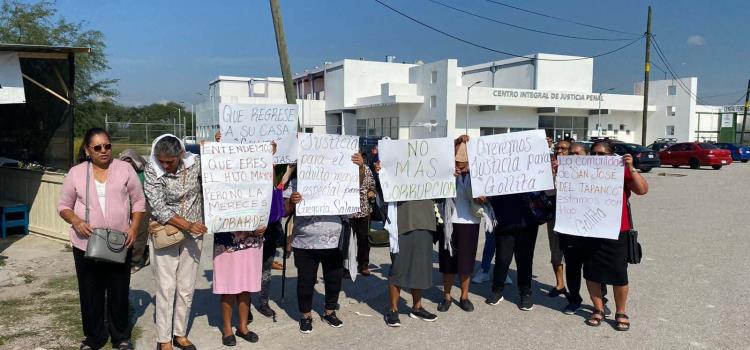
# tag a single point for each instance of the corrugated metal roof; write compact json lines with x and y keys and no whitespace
{"x":42,"y":48}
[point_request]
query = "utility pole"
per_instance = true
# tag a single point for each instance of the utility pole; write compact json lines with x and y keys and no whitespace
{"x":744,"y":117}
{"x":647,"y":70}
{"x":278,"y":27}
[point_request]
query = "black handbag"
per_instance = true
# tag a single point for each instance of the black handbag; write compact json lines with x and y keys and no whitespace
{"x":345,"y":238}
{"x":104,"y":244}
{"x":635,"y":252}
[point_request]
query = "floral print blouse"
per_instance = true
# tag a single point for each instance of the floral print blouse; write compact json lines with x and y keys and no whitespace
{"x":229,"y":242}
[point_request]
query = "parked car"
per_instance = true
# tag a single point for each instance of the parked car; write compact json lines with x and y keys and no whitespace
{"x":644,"y":159}
{"x":193,"y":148}
{"x":695,"y":155}
{"x":190,"y":140}
{"x":739,"y":153}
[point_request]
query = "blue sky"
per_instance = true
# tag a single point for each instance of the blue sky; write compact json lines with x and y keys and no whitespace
{"x":170,"y":50}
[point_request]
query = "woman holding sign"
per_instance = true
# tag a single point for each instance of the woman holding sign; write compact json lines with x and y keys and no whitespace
{"x":315,"y":241}
{"x":175,"y":197}
{"x":606,"y":261}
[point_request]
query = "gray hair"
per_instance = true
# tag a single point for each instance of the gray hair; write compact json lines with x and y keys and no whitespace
{"x":168,"y":146}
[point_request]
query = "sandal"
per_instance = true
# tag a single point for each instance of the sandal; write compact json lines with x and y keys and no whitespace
{"x":596,"y":318}
{"x":622,"y":322}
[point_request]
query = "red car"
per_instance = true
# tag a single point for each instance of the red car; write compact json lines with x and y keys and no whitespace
{"x":695,"y":154}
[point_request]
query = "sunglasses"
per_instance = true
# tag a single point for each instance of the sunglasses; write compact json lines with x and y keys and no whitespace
{"x":105,"y":146}
{"x":600,"y":153}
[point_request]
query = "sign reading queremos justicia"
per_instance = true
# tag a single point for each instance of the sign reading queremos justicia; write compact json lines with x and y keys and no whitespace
{"x":546,"y":95}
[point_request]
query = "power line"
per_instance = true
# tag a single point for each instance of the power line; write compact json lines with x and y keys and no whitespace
{"x":525,"y":28}
{"x":671,"y":70}
{"x":558,"y":18}
{"x":500,"y":51}
{"x":726,"y":94}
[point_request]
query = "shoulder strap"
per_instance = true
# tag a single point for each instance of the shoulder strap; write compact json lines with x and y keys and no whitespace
{"x":88,"y":179}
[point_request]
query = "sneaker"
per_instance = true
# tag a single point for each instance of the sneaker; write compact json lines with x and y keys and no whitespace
{"x":391,"y":319}
{"x":422,"y":314}
{"x":495,"y":299}
{"x":266,"y":311}
{"x":526,"y":303}
{"x":480,"y":277}
{"x":466,"y":305}
{"x":572,"y":308}
{"x":333,"y":320}
{"x":444,"y":305}
{"x":554,"y":292}
{"x":305,"y":325}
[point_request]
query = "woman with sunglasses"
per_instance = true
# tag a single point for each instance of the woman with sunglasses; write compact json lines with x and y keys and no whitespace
{"x":115,"y":201}
{"x":606,"y":259}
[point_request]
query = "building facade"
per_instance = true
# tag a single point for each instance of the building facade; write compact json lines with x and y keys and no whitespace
{"x":437,"y":99}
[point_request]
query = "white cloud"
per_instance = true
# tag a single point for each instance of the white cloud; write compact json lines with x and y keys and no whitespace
{"x":696,"y":40}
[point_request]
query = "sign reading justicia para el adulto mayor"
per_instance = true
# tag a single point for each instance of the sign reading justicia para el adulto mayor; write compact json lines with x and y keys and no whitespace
{"x":589,"y":196}
{"x":510,"y":163}
{"x":251,"y":123}
{"x":417,"y":169}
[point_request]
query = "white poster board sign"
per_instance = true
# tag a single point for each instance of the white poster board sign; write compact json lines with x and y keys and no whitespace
{"x":237,"y":185}
{"x":326,"y":177}
{"x":11,"y":80}
{"x":417,"y":169}
{"x":726,"y":120}
{"x":589,"y":196}
{"x":510,"y":163}
{"x":250,"y":123}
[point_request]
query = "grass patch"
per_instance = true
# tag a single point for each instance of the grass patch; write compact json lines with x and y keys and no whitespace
{"x":66,"y":314}
{"x":13,"y":312}
{"x":2,"y":260}
{"x":28,"y":278}
{"x":40,"y":293}
{"x":135,"y":331}
{"x":67,"y":248}
{"x":7,"y":338}
{"x":62,"y":283}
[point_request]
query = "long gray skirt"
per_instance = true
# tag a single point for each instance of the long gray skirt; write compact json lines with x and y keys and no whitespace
{"x":412,"y":266}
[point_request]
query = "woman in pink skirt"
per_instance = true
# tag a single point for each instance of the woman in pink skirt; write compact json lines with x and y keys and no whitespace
{"x":238,"y":262}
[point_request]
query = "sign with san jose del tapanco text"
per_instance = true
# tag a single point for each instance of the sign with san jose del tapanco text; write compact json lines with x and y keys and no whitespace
{"x":237,"y":185}
{"x":417,"y":169}
{"x":326,"y":177}
{"x":251,"y":123}
{"x":589,"y":196}
{"x":510,"y":163}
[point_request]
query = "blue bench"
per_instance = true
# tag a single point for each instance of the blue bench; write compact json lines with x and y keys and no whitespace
{"x":9,"y":209}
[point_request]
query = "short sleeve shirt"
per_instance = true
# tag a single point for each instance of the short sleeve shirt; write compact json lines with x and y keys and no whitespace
{"x":314,"y":232}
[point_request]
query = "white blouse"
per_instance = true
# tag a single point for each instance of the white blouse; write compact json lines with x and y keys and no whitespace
{"x":101,"y":193}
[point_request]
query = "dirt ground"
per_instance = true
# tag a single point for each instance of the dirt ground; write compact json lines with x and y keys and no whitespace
{"x":39,"y":306}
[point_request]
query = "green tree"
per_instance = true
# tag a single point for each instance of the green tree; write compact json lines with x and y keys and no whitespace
{"x":40,"y":24}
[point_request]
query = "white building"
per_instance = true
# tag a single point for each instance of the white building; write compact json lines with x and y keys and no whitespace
{"x":550,"y":92}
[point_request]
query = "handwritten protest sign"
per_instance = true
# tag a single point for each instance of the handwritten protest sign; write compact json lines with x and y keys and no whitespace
{"x":510,"y":163}
{"x":326,"y":177}
{"x":589,"y":196}
{"x":237,"y":185}
{"x":417,"y":169}
{"x":247,"y":123}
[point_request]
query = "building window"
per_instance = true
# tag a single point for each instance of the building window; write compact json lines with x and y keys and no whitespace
{"x":670,"y":130}
{"x":308,"y":130}
{"x":500,"y":130}
{"x":616,"y":131}
{"x":433,"y":101}
{"x":433,"y":77}
{"x":627,"y":132}
{"x":379,"y":126}
{"x":564,"y":127}
{"x":622,"y":127}
{"x":609,"y":127}
{"x":671,"y":111}
{"x":672,"y":90}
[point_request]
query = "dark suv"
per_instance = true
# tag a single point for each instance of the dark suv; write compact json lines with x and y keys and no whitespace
{"x":644,"y":159}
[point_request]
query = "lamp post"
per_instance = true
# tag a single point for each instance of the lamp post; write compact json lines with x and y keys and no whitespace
{"x":467,"y":105}
{"x":192,"y":119}
{"x":179,"y":117}
{"x":599,"y":123}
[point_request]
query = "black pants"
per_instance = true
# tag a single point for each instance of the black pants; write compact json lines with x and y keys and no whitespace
{"x":573,"y":249}
{"x":361,"y":227}
{"x":520,"y":243}
{"x":271,"y":241}
{"x":100,"y":285}
{"x":307,"y":261}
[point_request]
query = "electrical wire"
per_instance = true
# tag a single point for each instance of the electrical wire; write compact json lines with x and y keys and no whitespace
{"x":671,"y":71}
{"x":727,"y":94}
{"x":558,"y":18}
{"x":525,"y":28}
{"x":500,"y":51}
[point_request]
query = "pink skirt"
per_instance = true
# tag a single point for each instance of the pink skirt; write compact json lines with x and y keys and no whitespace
{"x":238,"y":272}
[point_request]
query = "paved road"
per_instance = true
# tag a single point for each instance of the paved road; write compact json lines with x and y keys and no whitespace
{"x":690,"y":292}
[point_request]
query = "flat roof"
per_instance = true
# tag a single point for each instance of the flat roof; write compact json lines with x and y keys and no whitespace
{"x":43,"y":48}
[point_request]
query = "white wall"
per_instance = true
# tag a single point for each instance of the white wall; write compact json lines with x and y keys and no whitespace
{"x":444,"y":111}
{"x":575,"y":75}
{"x":685,"y":121}
{"x":512,"y":73}
{"x":364,"y":78}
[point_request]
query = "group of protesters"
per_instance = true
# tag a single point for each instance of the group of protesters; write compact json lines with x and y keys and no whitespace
{"x":141,"y":197}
